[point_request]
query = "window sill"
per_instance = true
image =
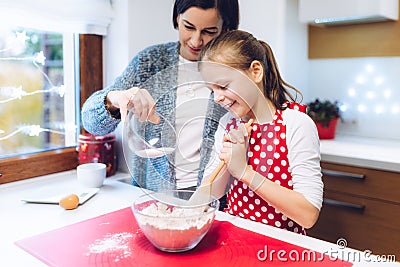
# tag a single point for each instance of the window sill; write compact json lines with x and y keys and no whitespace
{"x":25,"y":167}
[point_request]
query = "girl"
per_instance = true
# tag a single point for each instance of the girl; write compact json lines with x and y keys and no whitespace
{"x":276,"y":160}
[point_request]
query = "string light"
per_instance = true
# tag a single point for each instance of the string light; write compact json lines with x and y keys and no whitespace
{"x":361,"y":108}
{"x":37,"y":58}
{"x":370,"y":94}
{"x":16,"y":93}
{"x":343,"y":107}
{"x":20,"y":38}
{"x":379,"y":80}
{"x":369,"y":68}
{"x":387,"y":93}
{"x":379,"y":109}
{"x":360,"y":79}
{"x":371,"y":86}
{"x":352,"y":92}
{"x":30,"y":130}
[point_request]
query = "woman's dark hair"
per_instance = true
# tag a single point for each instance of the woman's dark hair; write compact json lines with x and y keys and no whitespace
{"x":228,"y":10}
{"x":238,"y":49}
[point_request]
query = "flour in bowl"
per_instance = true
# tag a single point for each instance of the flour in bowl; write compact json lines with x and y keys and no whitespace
{"x":163,"y":216}
{"x":173,"y":228}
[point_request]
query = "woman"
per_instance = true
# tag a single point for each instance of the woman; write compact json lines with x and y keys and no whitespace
{"x":153,"y":79}
{"x":276,"y":160}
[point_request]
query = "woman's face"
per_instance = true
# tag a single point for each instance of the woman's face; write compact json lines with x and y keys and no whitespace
{"x":196,"y":28}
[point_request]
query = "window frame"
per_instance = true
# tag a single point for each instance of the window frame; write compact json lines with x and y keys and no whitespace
{"x":63,"y":159}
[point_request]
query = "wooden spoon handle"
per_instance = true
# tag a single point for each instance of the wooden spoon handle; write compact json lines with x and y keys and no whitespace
{"x":249,"y":123}
{"x":216,"y":172}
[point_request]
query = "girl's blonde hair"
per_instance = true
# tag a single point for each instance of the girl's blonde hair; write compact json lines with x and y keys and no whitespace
{"x":238,"y":49}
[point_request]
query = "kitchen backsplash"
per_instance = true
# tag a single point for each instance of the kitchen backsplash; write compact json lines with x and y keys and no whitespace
{"x":367,"y":88}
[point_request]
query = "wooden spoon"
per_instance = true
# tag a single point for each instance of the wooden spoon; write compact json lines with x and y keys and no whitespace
{"x":202,"y":194}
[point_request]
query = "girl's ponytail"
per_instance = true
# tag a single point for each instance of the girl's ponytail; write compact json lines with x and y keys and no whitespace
{"x":276,"y":89}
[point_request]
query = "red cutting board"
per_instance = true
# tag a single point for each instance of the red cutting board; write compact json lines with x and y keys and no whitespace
{"x":114,"y":239}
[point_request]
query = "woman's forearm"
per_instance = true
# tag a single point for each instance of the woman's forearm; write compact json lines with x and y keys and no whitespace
{"x":95,"y":117}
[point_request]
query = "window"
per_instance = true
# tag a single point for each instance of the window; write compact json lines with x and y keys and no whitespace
{"x":36,"y":97}
{"x":48,"y":142}
{"x":62,"y":157}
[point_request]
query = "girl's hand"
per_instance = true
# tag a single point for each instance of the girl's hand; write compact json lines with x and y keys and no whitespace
{"x":139,"y":101}
{"x":234,"y":150}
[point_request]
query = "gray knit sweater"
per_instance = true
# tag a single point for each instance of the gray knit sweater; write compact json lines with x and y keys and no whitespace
{"x":155,"y":69}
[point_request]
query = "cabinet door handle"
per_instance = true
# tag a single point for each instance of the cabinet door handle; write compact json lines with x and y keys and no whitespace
{"x":341,"y":204}
{"x":347,"y":175}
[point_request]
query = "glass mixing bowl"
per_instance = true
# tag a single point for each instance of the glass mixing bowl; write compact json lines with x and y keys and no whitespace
{"x":170,"y":225}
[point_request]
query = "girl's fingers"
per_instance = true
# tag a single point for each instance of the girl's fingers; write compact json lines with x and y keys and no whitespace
{"x":243,"y":132}
{"x":227,"y":145}
{"x":236,"y":135}
{"x":240,"y":134}
{"x":224,"y":156}
{"x":226,"y":138}
{"x":248,"y":127}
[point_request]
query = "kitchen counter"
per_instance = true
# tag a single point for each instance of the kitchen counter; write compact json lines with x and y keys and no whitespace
{"x":362,"y":152}
{"x":20,"y":220}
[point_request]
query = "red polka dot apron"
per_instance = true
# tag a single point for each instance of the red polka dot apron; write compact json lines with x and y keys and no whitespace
{"x":267,"y":154}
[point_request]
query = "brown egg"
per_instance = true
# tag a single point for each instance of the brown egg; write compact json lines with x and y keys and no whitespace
{"x":69,"y":202}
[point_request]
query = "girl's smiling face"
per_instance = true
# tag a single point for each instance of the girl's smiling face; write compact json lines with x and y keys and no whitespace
{"x":233,"y":89}
{"x":196,"y":28}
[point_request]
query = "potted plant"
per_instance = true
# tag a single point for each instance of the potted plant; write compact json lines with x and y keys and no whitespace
{"x":325,"y":115}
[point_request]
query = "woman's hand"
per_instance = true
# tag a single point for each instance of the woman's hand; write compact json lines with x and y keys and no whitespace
{"x":139,"y":101}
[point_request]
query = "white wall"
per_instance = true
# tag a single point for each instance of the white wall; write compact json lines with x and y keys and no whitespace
{"x":372,"y":83}
{"x":276,"y":22}
{"x":150,"y":23}
{"x":136,"y":25}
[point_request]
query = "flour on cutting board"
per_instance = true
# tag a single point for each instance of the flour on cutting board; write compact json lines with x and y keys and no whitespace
{"x":117,"y":244}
